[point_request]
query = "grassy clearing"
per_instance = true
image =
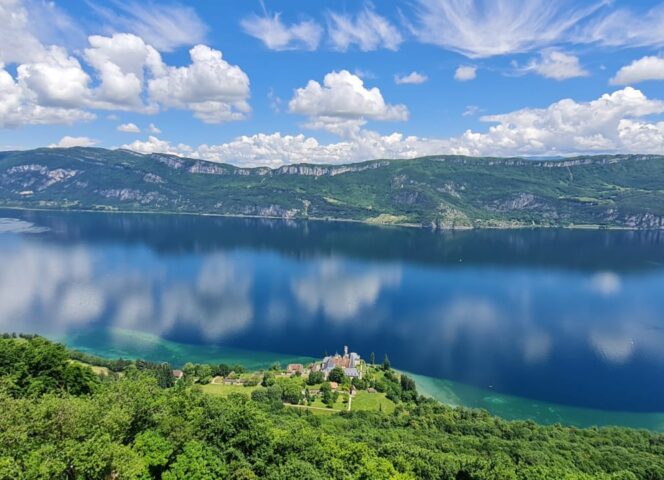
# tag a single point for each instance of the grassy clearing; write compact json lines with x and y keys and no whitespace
{"x":372,"y":402}
{"x":98,"y":370}
{"x":340,"y":405}
{"x":225,"y":390}
{"x":387,"y":219}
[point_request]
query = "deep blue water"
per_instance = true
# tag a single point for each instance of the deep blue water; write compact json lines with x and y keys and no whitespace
{"x":569,"y":317}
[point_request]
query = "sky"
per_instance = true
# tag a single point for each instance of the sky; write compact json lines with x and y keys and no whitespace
{"x":281,"y":82}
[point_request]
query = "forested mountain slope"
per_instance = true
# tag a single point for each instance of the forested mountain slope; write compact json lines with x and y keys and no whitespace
{"x":442,"y":192}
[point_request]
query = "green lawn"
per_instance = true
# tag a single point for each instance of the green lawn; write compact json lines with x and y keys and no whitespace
{"x":338,"y":406}
{"x":225,"y":390}
{"x":95,"y":368}
{"x":372,"y":401}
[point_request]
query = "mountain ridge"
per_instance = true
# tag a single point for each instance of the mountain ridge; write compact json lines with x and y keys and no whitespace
{"x":440,"y":192}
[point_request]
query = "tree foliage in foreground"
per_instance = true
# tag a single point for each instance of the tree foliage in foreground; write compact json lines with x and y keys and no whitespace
{"x":130,"y":427}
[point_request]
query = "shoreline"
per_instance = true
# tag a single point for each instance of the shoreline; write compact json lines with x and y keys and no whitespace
{"x":592,"y":227}
{"x":132,"y":344}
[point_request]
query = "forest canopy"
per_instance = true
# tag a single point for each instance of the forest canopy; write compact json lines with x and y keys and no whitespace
{"x":60,"y":419}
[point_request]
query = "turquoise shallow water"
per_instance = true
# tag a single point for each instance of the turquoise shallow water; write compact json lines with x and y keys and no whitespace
{"x":518,"y":408}
{"x":552,"y":325}
{"x":117,"y":343}
{"x":128,"y":344}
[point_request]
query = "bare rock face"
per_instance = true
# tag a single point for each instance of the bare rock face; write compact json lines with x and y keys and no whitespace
{"x":152,"y":178}
{"x":519,"y":202}
{"x":644,"y":221}
{"x":319,"y":171}
{"x":408,"y":197}
{"x":36,"y":176}
{"x":270,"y":211}
{"x":169,"y":161}
{"x":128,"y":194}
{"x":207,"y":168}
{"x":452,"y":189}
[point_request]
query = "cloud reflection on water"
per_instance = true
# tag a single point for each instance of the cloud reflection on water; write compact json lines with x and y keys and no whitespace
{"x":605,"y":283}
{"x":478,"y":325}
{"x":55,"y":289}
{"x":340,"y":292}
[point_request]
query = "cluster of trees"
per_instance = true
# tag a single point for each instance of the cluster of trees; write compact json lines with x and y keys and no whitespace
{"x":32,"y":366}
{"x":114,"y":365}
{"x":396,"y":387}
{"x":203,"y":373}
{"x":328,"y":395}
{"x":129,"y":427}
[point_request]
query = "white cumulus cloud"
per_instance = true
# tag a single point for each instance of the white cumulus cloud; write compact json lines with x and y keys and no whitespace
{"x":155,"y":145}
{"x":67,"y":142}
{"x":17,"y":42}
{"x":465,"y":73}
{"x":646,"y":68}
{"x":20,"y":106}
{"x":413,"y":78}
{"x":342,"y":103}
{"x":128,"y":128}
{"x":121,"y":63}
{"x":212,"y":88}
{"x":566,"y":126}
{"x":122,"y":71}
{"x":613,"y":123}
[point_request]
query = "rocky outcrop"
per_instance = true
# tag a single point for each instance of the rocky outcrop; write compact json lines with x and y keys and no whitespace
{"x":36,"y":176}
{"x":646,"y":221}
{"x":270,"y":211}
{"x":450,"y":218}
{"x":128,"y":194}
{"x":521,"y":201}
{"x":319,"y":170}
{"x":408,"y":197}
{"x":169,"y":160}
{"x":152,"y":178}
{"x":207,"y":168}
{"x":452,"y":189}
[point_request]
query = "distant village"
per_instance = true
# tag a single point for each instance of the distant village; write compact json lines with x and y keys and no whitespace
{"x":350,"y":363}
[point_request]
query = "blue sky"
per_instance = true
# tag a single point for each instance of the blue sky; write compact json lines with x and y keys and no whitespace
{"x":277,"y":82}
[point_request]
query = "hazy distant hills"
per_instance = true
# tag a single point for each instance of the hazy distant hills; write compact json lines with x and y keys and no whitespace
{"x":440,"y":192}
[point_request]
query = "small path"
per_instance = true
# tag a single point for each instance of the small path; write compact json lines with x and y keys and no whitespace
{"x":350,"y":401}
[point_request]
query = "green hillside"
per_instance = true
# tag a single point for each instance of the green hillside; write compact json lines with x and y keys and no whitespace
{"x":443,"y":192}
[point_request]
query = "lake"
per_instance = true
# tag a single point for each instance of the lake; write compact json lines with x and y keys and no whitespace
{"x":553,"y":325}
